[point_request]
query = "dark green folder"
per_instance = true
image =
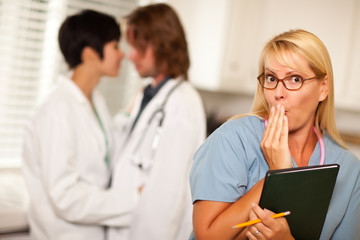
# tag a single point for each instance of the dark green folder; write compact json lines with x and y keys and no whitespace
{"x":306,"y":192}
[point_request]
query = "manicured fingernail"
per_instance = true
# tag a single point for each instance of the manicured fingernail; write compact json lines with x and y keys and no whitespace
{"x":272,"y":109}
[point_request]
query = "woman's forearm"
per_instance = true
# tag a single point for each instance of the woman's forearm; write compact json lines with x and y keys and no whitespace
{"x":214,"y":220}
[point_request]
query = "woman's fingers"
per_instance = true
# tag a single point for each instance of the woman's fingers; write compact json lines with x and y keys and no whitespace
{"x":254,"y":233}
{"x":269,"y":228}
{"x":261,"y":228}
{"x":279,"y":125}
{"x":274,"y":144}
{"x":284,"y":131}
{"x":268,"y":133}
{"x":269,"y":120}
{"x":273,"y":123}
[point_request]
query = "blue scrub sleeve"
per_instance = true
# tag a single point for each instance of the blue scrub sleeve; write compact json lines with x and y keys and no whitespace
{"x":219,"y":171}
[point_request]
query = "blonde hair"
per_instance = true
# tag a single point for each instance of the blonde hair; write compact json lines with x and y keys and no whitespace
{"x":294,"y":43}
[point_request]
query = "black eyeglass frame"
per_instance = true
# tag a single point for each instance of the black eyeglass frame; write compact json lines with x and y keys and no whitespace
{"x":282,"y":81}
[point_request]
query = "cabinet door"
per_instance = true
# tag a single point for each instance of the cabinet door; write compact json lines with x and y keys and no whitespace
{"x":205,"y":24}
{"x":243,"y":46}
{"x":349,"y":97}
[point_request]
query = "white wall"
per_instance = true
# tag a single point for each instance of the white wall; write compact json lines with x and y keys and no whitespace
{"x":226,"y":37}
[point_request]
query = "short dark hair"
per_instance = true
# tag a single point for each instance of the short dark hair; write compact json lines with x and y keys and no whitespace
{"x":159,"y":25}
{"x":87,"y":28}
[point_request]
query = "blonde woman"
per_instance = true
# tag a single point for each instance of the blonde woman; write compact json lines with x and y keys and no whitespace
{"x":292,"y":113}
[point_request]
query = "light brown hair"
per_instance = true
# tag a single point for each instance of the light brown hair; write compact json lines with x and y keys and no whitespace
{"x":159,"y":25}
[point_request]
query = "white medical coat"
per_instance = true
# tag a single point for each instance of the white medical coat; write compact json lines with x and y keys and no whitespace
{"x":164,"y":210}
{"x":65,"y":170}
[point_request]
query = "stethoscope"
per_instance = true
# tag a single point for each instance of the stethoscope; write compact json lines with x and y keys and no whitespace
{"x":321,"y":143}
{"x":155,"y":143}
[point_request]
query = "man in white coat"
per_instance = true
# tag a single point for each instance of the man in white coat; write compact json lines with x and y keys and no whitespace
{"x":162,"y":130}
{"x":68,"y":144}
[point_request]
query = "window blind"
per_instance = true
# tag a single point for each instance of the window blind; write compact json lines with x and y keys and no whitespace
{"x":30,"y":61}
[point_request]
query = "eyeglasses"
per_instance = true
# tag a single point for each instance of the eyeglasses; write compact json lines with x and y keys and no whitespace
{"x":292,"y":83}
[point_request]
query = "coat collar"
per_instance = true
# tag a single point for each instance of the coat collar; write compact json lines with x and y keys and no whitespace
{"x":73,"y":89}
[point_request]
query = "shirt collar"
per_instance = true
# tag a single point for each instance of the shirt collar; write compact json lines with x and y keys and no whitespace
{"x":150,"y":92}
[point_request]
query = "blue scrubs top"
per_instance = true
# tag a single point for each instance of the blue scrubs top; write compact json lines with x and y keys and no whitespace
{"x":230,"y":162}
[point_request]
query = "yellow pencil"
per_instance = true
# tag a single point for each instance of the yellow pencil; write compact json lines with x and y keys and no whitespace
{"x":259,"y":220}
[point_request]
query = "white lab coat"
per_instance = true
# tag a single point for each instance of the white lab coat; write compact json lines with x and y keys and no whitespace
{"x":164,"y":210}
{"x":65,"y":170}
